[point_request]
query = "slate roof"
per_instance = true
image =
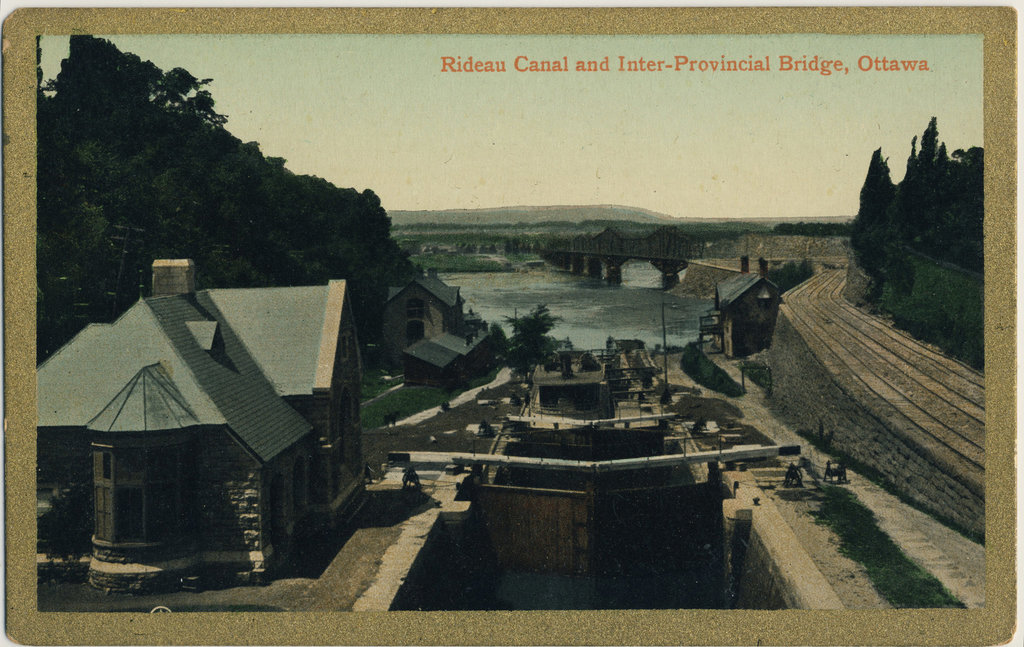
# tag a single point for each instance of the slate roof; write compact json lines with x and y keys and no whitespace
{"x":149,"y":402}
{"x":80,"y":380}
{"x":213,"y":357}
{"x":733,"y":288}
{"x":281,"y":328}
{"x":444,"y":292}
{"x":230,"y":376}
{"x":442,"y":350}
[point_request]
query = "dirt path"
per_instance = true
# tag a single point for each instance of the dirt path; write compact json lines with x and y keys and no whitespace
{"x":848,"y":578}
{"x":954,"y":560}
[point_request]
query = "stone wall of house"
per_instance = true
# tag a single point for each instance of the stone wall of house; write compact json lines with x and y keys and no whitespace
{"x":228,"y":498}
{"x":438,"y":318}
{"x":806,"y":395}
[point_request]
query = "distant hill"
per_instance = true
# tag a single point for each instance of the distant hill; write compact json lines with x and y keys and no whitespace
{"x":528,"y":215}
{"x":568,"y":213}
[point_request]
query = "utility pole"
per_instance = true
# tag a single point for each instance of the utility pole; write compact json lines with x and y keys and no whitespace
{"x":120,"y":269}
{"x":664,"y":345}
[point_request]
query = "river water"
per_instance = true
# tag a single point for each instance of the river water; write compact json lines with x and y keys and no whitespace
{"x":590,"y":310}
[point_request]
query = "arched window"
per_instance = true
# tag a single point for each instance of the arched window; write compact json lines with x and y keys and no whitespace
{"x":413,"y":331}
{"x":415,"y":309}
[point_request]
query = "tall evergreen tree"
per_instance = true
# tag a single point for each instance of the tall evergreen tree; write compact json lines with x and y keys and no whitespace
{"x":872,"y":227}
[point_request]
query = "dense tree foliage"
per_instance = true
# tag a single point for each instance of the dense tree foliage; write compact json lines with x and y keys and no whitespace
{"x":530,"y":343}
{"x":936,"y":210}
{"x":135,"y":164}
{"x":791,"y":274}
{"x":916,"y":239}
{"x":812,"y":229}
{"x":66,"y":528}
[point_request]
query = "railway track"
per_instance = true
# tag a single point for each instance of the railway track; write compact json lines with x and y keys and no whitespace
{"x":937,"y":402}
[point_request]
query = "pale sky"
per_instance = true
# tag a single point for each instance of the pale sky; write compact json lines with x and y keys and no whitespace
{"x":378,"y":112}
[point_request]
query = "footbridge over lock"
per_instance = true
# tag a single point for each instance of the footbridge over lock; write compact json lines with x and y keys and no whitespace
{"x":602,"y":255}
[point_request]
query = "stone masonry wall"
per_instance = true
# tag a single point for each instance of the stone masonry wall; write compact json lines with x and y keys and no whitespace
{"x":775,"y":247}
{"x":700,"y":280}
{"x":227,"y":490}
{"x":805,"y":394}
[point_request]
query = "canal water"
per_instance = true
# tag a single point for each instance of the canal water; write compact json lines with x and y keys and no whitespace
{"x":589,"y":310}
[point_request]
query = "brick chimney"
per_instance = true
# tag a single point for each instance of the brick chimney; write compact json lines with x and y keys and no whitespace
{"x":744,"y":264}
{"x":173,"y":276}
{"x":762,"y":267}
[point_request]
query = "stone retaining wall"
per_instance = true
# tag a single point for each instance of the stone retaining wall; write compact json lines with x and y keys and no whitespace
{"x":805,"y":395}
{"x":700,"y":280}
{"x":771,"y":246}
{"x":770,"y":567}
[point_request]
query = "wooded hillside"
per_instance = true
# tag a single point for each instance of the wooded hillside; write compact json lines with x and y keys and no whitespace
{"x":135,"y":164}
{"x":921,"y":244}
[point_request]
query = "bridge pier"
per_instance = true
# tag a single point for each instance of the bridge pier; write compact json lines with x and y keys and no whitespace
{"x":613,"y":270}
{"x":576,"y":263}
{"x":593,"y":264}
{"x":669,"y":271}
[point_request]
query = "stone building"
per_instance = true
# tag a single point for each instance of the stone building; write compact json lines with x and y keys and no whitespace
{"x":747,"y":305}
{"x":213,"y":426}
{"x":447,"y":360}
{"x":424,"y":308}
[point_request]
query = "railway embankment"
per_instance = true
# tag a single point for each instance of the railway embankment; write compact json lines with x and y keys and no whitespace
{"x":876,"y":395}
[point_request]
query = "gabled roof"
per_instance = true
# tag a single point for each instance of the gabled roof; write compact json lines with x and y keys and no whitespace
{"x":442,"y":350}
{"x":733,"y":288}
{"x":213,"y":357}
{"x":281,"y":328}
{"x":149,"y":402}
{"x":230,"y":376}
{"x":204,"y":332}
{"x":444,"y":292}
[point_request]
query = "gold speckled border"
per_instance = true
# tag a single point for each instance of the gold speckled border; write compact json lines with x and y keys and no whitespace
{"x":992,"y":625}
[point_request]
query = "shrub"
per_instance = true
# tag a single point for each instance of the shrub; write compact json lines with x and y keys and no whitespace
{"x":791,"y":274}
{"x":706,"y":373}
{"x":66,"y":528}
{"x":940,"y":306}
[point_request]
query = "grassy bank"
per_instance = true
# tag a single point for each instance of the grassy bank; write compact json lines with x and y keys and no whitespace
{"x":456,"y":263}
{"x":706,"y":373}
{"x":407,"y":401}
{"x":900,"y":581}
{"x":404,"y":403}
{"x":374,"y":384}
{"x":941,"y":306}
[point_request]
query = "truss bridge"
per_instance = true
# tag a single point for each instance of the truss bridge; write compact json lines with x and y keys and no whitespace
{"x":603,"y":255}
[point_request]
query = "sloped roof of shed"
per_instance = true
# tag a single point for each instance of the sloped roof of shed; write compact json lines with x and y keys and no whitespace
{"x":733,"y":288}
{"x":442,"y":350}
